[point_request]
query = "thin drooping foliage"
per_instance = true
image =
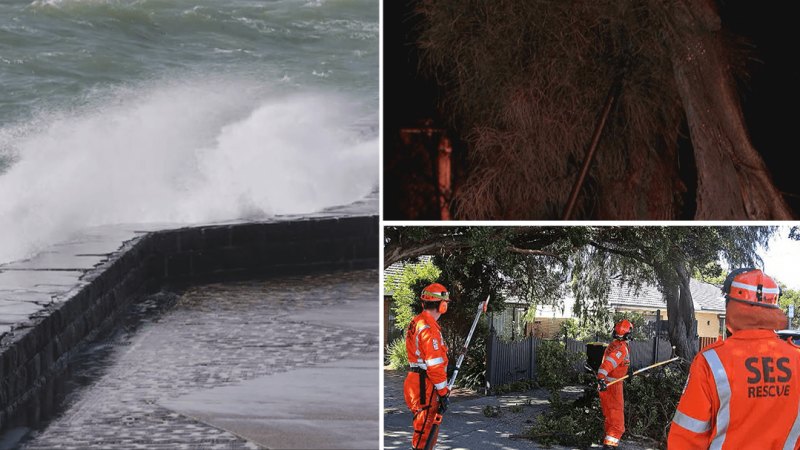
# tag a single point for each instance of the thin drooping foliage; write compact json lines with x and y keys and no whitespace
{"x":542,"y":265}
{"x":526,"y":81}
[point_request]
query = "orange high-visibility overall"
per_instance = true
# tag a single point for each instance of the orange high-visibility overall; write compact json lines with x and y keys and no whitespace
{"x":428,"y":376}
{"x":616,"y":361}
{"x":742,"y":393}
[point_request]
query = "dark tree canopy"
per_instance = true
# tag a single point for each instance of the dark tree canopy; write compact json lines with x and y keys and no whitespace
{"x":525,"y":83}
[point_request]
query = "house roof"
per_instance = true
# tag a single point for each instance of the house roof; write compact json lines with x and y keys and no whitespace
{"x":705,"y":296}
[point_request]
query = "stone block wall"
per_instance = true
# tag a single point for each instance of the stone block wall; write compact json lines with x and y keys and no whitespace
{"x":34,"y":357}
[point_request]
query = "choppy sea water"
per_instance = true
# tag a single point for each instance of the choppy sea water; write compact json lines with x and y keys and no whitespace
{"x":131,"y":111}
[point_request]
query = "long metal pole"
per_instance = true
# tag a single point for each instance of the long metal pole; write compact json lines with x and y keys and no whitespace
{"x":481,"y":309}
{"x":437,"y":420}
{"x":613,"y":93}
{"x":653,"y":366}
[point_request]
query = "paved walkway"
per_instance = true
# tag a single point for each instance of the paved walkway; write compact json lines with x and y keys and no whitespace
{"x":283,"y":363}
{"x":465,"y":427}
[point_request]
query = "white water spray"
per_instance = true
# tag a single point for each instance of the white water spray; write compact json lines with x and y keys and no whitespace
{"x":181,"y":154}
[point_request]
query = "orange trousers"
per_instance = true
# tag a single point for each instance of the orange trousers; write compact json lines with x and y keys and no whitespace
{"x":424,"y":406}
{"x":613,"y":405}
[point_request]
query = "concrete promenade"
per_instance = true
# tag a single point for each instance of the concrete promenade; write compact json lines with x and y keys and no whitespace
{"x":280,"y":363}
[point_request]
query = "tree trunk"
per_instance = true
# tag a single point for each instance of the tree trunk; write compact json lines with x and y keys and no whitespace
{"x":655,"y":181}
{"x":680,"y":311}
{"x":733,"y":181}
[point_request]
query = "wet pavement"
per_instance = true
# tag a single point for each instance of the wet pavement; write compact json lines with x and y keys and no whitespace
{"x":282,"y":363}
{"x":465,"y":427}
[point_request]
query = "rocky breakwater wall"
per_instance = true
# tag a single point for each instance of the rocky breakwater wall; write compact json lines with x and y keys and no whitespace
{"x":35,"y":352}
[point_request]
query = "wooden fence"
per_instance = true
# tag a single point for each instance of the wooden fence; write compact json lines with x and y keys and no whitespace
{"x":511,"y":361}
{"x":704,"y":341}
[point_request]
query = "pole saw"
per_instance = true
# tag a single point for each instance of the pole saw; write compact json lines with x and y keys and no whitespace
{"x":645,"y":369}
{"x":437,"y":420}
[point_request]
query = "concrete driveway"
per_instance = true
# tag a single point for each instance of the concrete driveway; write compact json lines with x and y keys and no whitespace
{"x":465,"y":427}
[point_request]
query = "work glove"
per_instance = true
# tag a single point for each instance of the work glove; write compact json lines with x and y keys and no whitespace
{"x":601,"y":384}
{"x":444,"y":403}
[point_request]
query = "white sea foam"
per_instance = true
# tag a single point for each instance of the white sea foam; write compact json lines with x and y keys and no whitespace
{"x":184,"y":153}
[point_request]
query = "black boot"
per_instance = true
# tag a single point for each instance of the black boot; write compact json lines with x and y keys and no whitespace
{"x":608,"y":447}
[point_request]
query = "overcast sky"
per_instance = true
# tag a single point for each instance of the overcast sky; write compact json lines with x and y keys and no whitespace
{"x":782,"y":260}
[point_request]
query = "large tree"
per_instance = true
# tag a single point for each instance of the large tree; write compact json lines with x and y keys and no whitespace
{"x":524,"y":82}
{"x":539,"y":263}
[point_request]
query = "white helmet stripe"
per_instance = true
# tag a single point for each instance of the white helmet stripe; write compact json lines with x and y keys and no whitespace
{"x":750,"y":287}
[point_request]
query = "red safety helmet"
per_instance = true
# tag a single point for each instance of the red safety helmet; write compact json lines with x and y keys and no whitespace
{"x":623,"y":329}
{"x":436,"y":292}
{"x":751,"y":286}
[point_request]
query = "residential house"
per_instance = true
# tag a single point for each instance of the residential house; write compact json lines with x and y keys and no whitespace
{"x":709,"y":306}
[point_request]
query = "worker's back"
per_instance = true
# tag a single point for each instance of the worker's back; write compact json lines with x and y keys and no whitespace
{"x":742,"y":393}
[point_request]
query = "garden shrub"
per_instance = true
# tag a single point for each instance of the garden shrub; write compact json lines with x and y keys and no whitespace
{"x":396,"y":356}
{"x":555,"y":366}
{"x":650,"y":402}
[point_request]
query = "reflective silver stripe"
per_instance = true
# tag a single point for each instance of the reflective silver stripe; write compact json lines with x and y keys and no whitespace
{"x":750,"y":287}
{"x":440,"y":385}
{"x":610,"y":379}
{"x":724,"y":394}
{"x":434,"y":361}
{"x":611,"y":360}
{"x":603,"y":371}
{"x":419,"y":364}
{"x":612,"y":439}
{"x":794,"y":433}
{"x":690,"y":423}
{"x":416,"y":338}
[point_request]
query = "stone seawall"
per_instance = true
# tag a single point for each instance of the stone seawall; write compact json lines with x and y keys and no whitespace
{"x":35,"y":354}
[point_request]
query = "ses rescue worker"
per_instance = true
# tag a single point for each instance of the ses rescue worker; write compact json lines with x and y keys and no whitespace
{"x":425,"y":388}
{"x":744,"y":392}
{"x":616,"y":361}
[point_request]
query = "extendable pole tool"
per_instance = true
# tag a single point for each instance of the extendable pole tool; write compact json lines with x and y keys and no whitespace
{"x":653,"y":366}
{"x":438,"y":418}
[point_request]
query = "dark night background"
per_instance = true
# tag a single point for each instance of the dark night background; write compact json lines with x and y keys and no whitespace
{"x":769,"y":97}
